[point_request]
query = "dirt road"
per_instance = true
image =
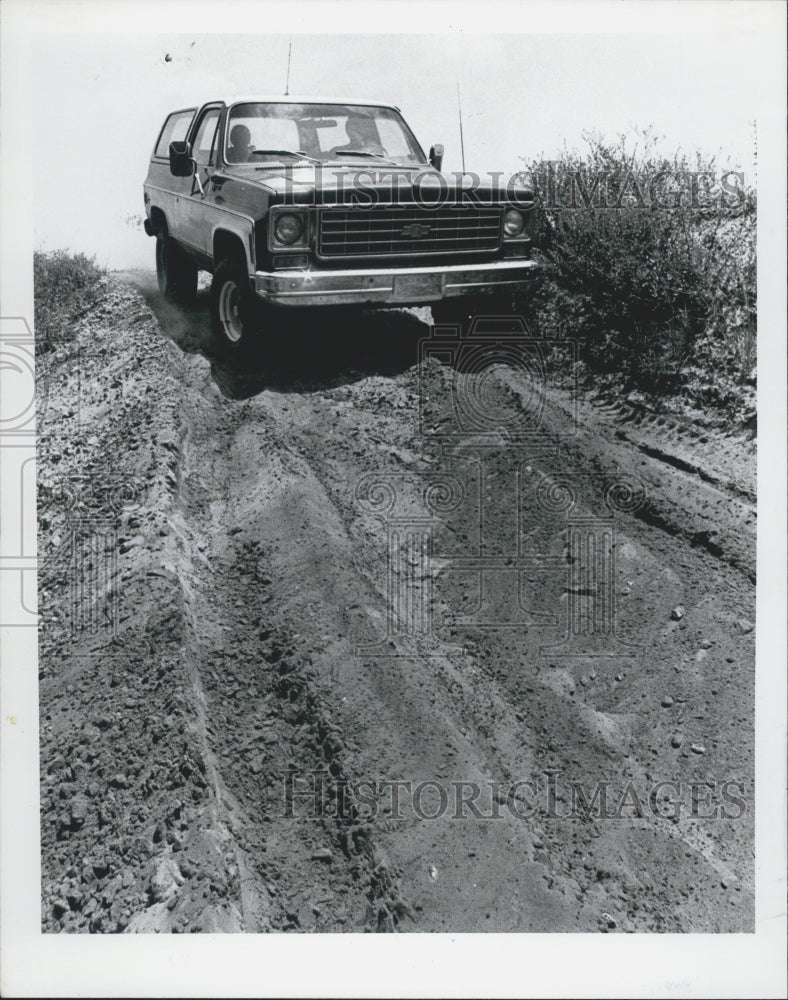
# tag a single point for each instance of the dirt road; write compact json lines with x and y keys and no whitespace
{"x":327,"y":638}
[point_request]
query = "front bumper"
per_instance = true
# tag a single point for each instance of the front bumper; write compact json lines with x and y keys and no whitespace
{"x":399,"y":286}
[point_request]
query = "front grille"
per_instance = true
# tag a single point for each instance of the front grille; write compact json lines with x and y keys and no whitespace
{"x":386,"y":230}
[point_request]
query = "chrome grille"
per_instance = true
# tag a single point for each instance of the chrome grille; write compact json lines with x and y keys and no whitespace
{"x":389,"y":230}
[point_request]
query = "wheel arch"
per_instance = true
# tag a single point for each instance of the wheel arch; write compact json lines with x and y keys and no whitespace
{"x":230,"y":245}
{"x":158,"y":221}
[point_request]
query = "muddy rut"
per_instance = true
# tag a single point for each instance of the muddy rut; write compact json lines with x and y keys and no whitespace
{"x":326,"y":639}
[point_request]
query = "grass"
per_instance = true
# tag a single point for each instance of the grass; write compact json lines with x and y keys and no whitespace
{"x":649,"y":263}
{"x":66,"y":287}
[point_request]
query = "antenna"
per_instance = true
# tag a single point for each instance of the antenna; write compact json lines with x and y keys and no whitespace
{"x":462,"y":143}
{"x":287,"y":85}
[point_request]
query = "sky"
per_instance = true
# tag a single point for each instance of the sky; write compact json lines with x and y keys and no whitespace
{"x":101,"y":99}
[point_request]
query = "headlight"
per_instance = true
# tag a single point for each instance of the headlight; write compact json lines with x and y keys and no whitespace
{"x":288,"y":229}
{"x":513,"y":222}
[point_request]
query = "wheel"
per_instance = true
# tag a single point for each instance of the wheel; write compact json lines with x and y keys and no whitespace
{"x":235,"y":309}
{"x":176,"y":273}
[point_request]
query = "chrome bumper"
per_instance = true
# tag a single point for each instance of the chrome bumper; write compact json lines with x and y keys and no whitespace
{"x":389,"y":286}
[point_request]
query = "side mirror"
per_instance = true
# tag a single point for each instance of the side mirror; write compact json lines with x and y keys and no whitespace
{"x":436,"y":156}
{"x":181,"y":162}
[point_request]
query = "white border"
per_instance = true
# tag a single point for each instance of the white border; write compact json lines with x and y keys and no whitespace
{"x":410,"y":965}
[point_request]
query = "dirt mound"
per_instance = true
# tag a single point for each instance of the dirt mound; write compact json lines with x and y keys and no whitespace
{"x":268,"y":602}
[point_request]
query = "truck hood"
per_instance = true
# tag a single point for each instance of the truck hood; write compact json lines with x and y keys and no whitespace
{"x":374,"y":183}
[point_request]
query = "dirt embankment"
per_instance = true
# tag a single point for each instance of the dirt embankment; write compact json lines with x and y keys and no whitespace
{"x":307,"y":573}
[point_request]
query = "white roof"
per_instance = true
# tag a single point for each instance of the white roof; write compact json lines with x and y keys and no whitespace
{"x":300,"y":99}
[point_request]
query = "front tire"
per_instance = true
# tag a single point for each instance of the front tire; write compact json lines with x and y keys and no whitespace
{"x":235,"y":309}
{"x":177,"y":275}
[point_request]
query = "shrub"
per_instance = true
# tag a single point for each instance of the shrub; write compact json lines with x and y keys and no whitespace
{"x":650,"y":264}
{"x":66,"y":286}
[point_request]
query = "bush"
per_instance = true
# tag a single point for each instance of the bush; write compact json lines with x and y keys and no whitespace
{"x":650,"y":264}
{"x":66,"y":287}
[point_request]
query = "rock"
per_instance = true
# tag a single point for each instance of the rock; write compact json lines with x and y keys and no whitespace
{"x":619,"y":677}
{"x":67,"y":789}
{"x":678,"y":613}
{"x":667,"y":701}
{"x":165,"y":880}
{"x":78,"y":811}
{"x":59,"y":907}
{"x":111,"y":890}
{"x":74,"y":900}
{"x":119,"y":781}
{"x":706,"y":644}
{"x":322,"y":854}
{"x":745,"y":626}
{"x":697,"y":748}
{"x":676,"y":741}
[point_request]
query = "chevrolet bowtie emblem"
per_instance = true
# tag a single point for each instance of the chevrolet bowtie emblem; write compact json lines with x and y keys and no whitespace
{"x":416,"y":229}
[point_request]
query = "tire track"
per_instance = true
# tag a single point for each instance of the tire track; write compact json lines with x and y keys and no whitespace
{"x":266,"y":577}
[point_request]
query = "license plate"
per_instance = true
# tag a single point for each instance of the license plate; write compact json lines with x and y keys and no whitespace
{"x":417,"y":287}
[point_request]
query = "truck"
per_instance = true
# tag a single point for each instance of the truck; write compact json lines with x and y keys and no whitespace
{"x":320,"y":202}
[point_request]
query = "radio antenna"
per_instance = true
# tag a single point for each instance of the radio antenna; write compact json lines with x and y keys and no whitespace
{"x":287,"y":84}
{"x":462,"y":142}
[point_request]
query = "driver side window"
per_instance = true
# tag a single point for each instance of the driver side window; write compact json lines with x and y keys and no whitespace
{"x":203,"y":145}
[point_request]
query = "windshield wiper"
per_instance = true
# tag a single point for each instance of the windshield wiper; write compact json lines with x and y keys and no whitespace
{"x":283,"y":152}
{"x":360,"y":152}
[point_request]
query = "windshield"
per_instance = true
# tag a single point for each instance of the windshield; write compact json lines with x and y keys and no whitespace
{"x":274,"y":132}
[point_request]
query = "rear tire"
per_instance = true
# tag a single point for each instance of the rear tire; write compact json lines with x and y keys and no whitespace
{"x":177,"y":275}
{"x":236,"y":315}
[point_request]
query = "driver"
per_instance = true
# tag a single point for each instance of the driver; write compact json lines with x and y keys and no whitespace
{"x":361,"y":136}
{"x":240,"y":149}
